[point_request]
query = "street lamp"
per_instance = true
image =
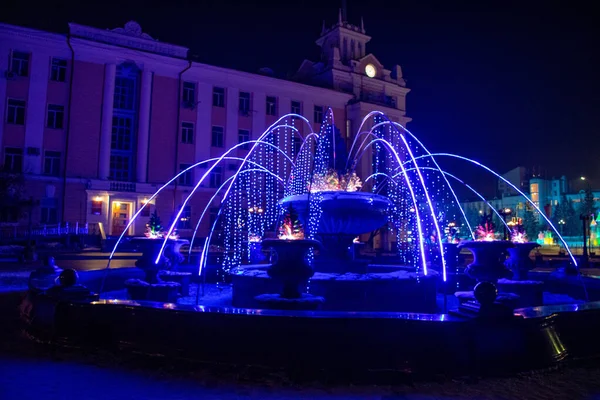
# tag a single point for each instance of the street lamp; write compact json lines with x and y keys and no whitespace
{"x":584,"y":263}
{"x":562,"y":224}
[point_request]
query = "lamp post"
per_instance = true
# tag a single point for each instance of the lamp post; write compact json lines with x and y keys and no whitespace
{"x":584,"y":257}
{"x":561,"y":223}
{"x":505,"y":212}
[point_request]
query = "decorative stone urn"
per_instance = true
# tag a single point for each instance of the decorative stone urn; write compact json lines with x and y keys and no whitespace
{"x":290,"y":266}
{"x":488,"y":263}
{"x":345,"y":215}
{"x":519,"y":261}
{"x":150,"y":249}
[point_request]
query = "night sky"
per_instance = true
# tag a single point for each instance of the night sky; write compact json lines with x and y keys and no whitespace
{"x":505,"y":83}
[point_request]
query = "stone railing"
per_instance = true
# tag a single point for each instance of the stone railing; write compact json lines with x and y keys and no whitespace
{"x":122,"y":186}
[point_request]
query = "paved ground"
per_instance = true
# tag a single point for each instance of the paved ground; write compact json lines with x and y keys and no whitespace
{"x":26,"y":377}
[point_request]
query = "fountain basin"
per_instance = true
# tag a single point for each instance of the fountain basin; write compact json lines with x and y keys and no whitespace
{"x":349,"y":213}
{"x":399,"y":290}
{"x":348,"y":342}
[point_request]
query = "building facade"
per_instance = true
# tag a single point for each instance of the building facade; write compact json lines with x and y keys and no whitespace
{"x":97,"y":120}
{"x":547,"y":194}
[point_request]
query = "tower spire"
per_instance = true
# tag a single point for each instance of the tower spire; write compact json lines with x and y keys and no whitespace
{"x":340,"y":16}
{"x":362,"y":24}
{"x":344,"y":7}
{"x":323,"y":28}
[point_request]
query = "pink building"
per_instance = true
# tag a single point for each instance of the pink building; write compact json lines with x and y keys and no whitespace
{"x":97,"y":120}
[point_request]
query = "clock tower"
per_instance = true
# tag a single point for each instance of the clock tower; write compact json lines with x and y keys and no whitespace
{"x":346,"y":66}
{"x":347,"y":40}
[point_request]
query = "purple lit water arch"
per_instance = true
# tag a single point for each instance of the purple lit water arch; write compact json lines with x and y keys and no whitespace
{"x":451,"y":176}
{"x":518,"y":191}
{"x":312,"y":157}
{"x":414,"y":200}
{"x":396,"y":125}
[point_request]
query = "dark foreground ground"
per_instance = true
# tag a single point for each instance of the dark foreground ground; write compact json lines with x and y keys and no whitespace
{"x":33,"y":371}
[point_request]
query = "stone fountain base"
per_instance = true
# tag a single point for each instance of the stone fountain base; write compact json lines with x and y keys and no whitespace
{"x":386,"y":291}
{"x":278,"y":302}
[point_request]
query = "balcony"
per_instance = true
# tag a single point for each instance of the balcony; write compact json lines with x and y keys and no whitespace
{"x":377,"y":98}
{"x":122,"y":186}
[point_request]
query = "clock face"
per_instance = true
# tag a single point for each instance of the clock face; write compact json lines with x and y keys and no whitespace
{"x":370,"y":70}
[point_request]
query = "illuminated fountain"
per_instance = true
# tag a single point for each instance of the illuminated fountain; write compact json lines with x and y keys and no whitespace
{"x":291,"y":167}
{"x":402,"y":207}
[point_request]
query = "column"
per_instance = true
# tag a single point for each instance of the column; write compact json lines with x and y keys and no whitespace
{"x":35,"y":116}
{"x":258,"y":117}
{"x":144,"y":125}
{"x":231,"y":128}
{"x":285,"y":106}
{"x":202,"y":134}
{"x":4,"y":53}
{"x":308,"y":112}
{"x":110,"y":71}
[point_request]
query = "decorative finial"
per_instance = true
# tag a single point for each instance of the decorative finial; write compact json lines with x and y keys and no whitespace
{"x":362,"y":24}
{"x":340,"y":16}
{"x":323,"y":28}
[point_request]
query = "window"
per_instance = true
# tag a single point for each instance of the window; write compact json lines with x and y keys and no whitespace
{"x":52,"y":163}
{"x":318,"y":114}
{"x":187,"y":132}
{"x":185,"y":219}
{"x":296,"y":144}
{"x":218,"y":97}
{"x":55,"y":116}
{"x":13,"y":159}
{"x":49,"y":215}
{"x":189,"y":93}
{"x":19,"y":63}
{"x":120,"y":167}
{"x":217,"y":136}
{"x":58,"y":70}
{"x":296,"y":107}
{"x":124,"y":98}
{"x":97,"y":207}
{"x":216,"y":177}
{"x":271,"y":105}
{"x":15,"y":113}
{"x":535,"y":193}
{"x":244,"y":136}
{"x":9,"y":214}
{"x":244,"y":103}
{"x":186,"y":178}
{"x":122,"y":132}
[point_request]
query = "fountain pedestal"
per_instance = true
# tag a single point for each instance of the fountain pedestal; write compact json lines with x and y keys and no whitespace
{"x":531,"y":293}
{"x":344,"y":215}
{"x":293,"y":272}
{"x":487,"y":268}
{"x":150,"y":249}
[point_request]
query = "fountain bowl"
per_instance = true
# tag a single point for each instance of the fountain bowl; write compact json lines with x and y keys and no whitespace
{"x":348,"y":213}
{"x":487,"y":265}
